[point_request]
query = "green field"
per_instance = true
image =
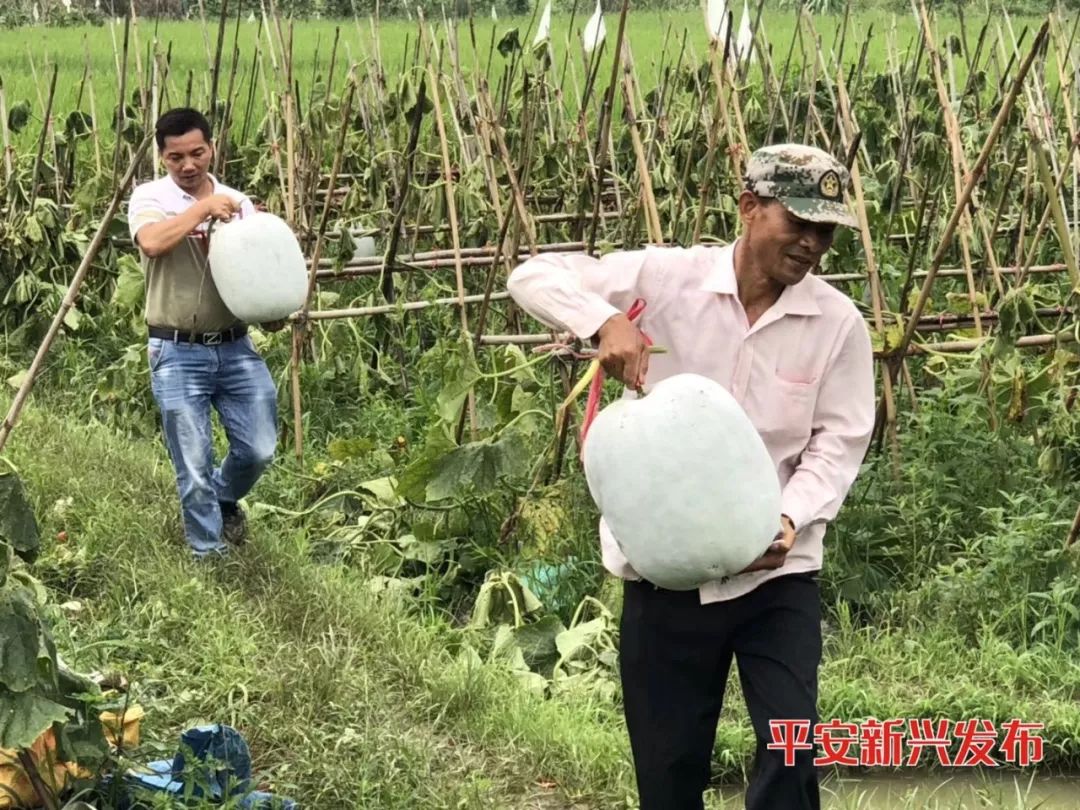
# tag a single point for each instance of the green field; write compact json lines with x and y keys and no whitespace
{"x":27,"y":57}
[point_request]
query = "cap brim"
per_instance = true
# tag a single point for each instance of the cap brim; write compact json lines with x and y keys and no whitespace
{"x":816,"y":210}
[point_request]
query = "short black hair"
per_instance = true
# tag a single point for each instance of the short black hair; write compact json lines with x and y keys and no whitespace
{"x":180,"y":121}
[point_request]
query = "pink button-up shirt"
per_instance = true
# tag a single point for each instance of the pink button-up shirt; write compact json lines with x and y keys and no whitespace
{"x":803,"y":372}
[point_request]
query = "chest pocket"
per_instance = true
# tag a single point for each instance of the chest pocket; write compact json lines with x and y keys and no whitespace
{"x":787,"y":411}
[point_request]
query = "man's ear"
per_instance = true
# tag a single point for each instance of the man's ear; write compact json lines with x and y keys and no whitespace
{"x":749,"y":205}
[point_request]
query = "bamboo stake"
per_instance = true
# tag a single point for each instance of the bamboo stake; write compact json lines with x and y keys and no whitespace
{"x":45,"y":129}
{"x":9,"y":152}
{"x":299,"y":319}
{"x":451,"y":206}
{"x":956,"y":150}
{"x":144,"y":105}
{"x":511,"y":174}
{"x":1065,"y":337}
{"x":215,"y":70}
{"x":1054,"y":193}
{"x":121,"y":115}
{"x":206,"y":34}
{"x":93,"y":112}
{"x":403,"y":306}
{"x":652,"y":215}
{"x":604,"y":127}
{"x":877,"y":298}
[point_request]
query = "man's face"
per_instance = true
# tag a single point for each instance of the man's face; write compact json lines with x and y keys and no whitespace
{"x":187,"y":158}
{"x":784,"y":246}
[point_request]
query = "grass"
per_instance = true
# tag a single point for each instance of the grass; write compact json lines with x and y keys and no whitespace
{"x":351,"y":700}
{"x":25,"y":59}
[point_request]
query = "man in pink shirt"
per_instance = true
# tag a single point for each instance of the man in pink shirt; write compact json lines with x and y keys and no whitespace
{"x":796,"y":355}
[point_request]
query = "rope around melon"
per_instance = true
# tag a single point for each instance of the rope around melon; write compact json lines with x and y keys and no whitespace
{"x":593,"y":379}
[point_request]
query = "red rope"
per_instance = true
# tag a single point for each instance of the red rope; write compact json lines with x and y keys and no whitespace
{"x":596,"y":387}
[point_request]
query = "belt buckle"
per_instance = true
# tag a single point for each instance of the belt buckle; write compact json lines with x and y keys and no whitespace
{"x":212,"y":338}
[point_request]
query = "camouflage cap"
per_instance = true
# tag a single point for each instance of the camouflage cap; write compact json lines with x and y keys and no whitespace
{"x":807,"y":181}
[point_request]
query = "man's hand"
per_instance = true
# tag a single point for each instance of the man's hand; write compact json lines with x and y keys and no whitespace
{"x":624,"y":353}
{"x":221,"y":207}
{"x":273,"y":326}
{"x":776,"y":553}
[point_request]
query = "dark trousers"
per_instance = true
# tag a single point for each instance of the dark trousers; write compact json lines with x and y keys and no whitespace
{"x":674,"y":658}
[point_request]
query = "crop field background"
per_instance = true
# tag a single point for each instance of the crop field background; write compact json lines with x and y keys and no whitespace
{"x":421,"y":619}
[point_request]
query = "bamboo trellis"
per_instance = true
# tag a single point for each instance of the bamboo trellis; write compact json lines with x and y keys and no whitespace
{"x":962,"y":189}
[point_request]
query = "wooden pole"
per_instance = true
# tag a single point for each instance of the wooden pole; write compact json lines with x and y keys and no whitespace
{"x":448,"y":187}
{"x":877,"y":297}
{"x":298,"y":323}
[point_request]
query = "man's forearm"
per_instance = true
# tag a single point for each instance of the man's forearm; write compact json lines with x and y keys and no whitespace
{"x":159,"y":238}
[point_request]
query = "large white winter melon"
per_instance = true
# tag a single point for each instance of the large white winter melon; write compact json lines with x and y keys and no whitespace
{"x":684,"y":482}
{"x":258,"y":267}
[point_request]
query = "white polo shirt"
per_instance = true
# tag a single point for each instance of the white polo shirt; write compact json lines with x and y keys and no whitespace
{"x":180,"y":292}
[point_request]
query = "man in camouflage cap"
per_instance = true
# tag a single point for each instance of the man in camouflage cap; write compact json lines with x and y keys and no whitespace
{"x":795,"y":354}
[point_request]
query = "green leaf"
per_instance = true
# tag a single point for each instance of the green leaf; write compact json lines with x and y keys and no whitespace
{"x":429,"y":552}
{"x":6,"y":558}
{"x":509,"y":43}
{"x":412,"y":482}
{"x":452,"y":397}
{"x":578,"y":640}
{"x":18,"y":526}
{"x":73,"y":319}
{"x":532,"y":681}
{"x":19,"y":116}
{"x":129,"y":290}
{"x":384,"y":492}
{"x":503,"y":598}
{"x":33,"y":229}
{"x":537,"y":643}
{"x":345,"y":250}
{"x":506,"y":648}
{"x":18,"y":378}
{"x":396,"y":586}
{"x":78,"y":123}
{"x":19,"y":643}
{"x":476,"y":467}
{"x":346,"y":449}
{"x":409,"y":101}
{"x":24,"y":716}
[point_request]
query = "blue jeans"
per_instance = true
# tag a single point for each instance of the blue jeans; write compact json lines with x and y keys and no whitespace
{"x":187,"y":379}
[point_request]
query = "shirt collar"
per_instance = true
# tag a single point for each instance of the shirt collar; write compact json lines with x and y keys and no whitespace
{"x":184,"y":195}
{"x":798,"y":299}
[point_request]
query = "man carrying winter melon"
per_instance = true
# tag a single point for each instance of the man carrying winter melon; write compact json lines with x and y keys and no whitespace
{"x":796,"y":356}
{"x":200,"y":354}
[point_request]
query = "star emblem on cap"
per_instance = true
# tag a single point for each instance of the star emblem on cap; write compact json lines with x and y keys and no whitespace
{"x":829,"y":185}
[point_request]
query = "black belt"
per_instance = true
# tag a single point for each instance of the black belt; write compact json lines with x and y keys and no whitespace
{"x":206,"y":338}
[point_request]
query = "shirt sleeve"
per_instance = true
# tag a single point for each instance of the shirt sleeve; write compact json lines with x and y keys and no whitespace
{"x":577,"y":293}
{"x":843,"y":424}
{"x":144,"y":209}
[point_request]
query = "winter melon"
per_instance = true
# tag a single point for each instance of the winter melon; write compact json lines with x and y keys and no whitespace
{"x":684,"y":482}
{"x":258,"y":267}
